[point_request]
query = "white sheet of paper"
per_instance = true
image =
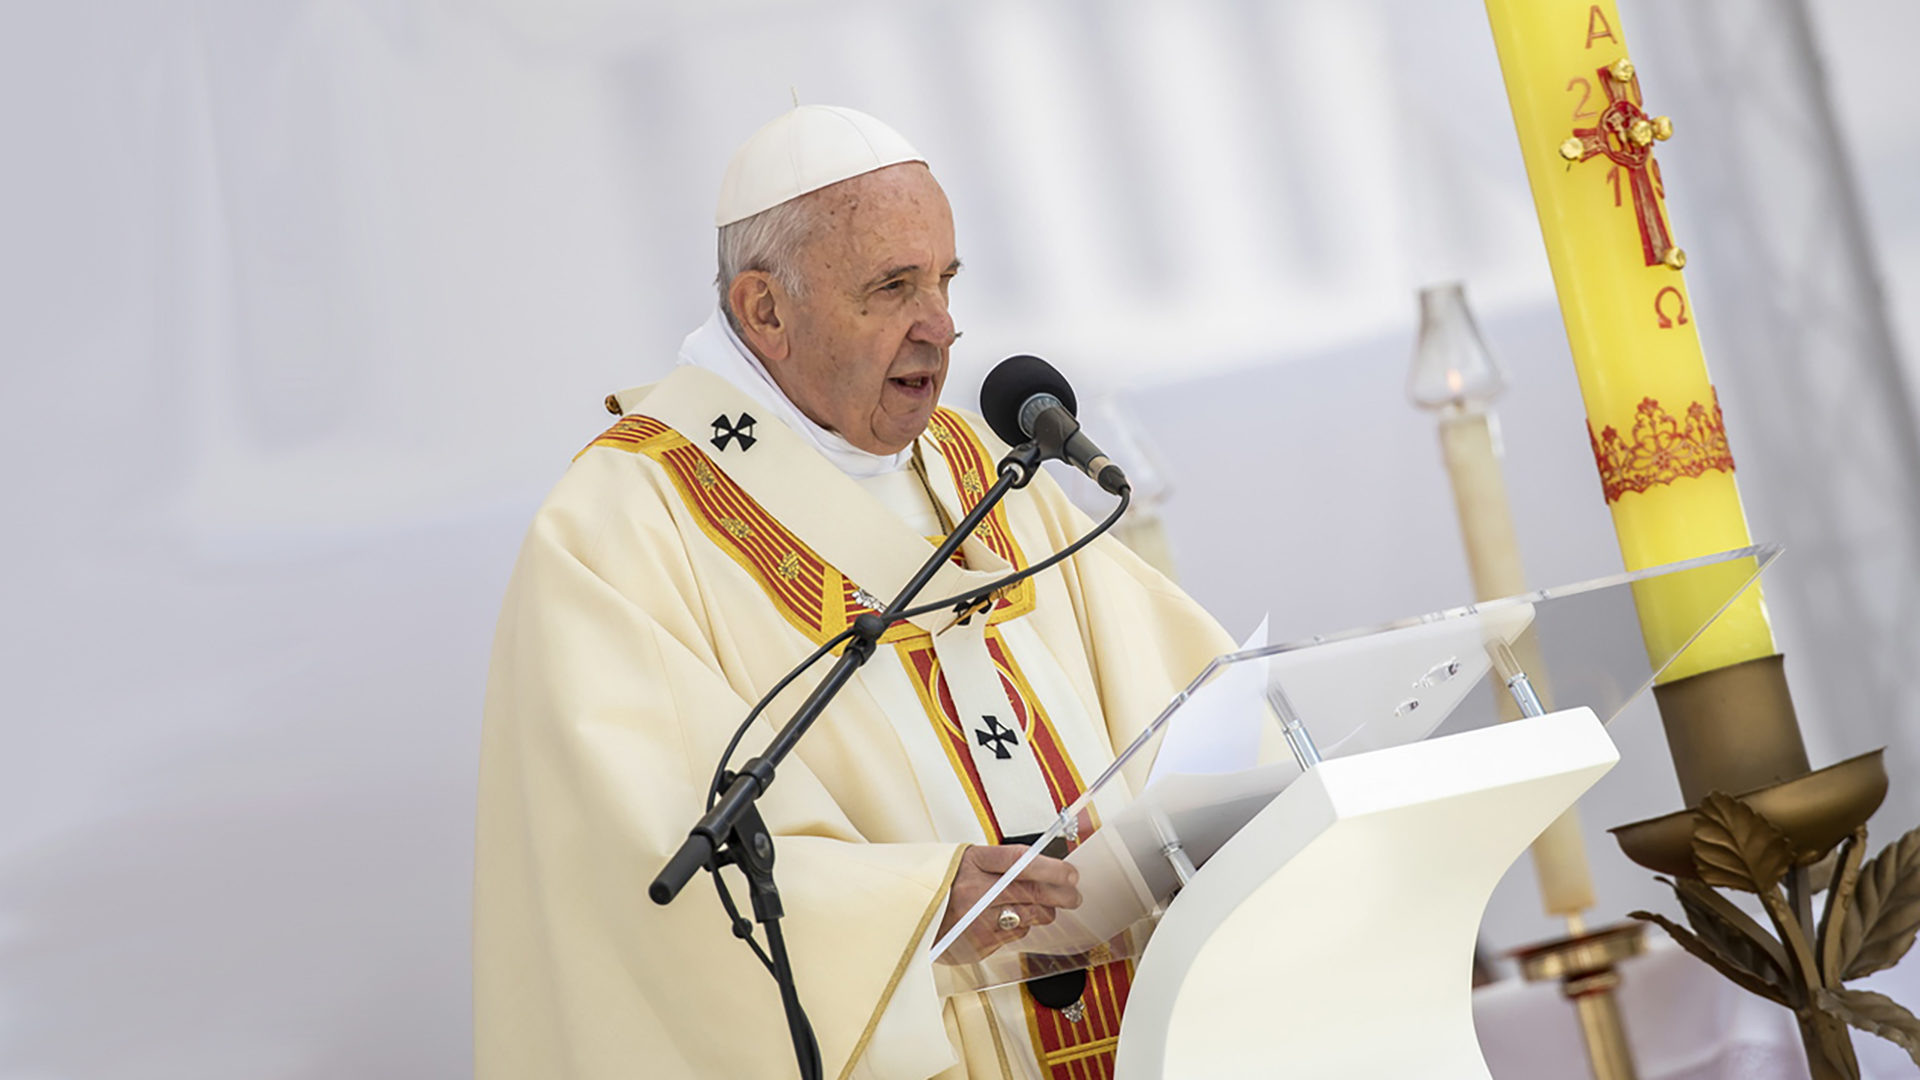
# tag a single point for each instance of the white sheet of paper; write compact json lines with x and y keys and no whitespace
{"x":1218,"y":729}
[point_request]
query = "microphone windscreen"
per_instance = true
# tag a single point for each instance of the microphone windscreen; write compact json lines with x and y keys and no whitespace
{"x":1008,"y":386}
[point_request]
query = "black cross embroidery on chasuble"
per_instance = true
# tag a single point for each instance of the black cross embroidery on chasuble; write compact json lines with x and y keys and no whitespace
{"x":997,"y":738}
{"x":740,"y":430}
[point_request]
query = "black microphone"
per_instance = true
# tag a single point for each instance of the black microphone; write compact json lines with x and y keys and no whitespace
{"x":1024,"y":398}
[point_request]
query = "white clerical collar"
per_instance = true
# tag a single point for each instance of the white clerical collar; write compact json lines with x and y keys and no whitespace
{"x":716,"y":348}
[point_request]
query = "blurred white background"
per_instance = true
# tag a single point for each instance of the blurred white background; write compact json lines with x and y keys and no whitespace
{"x":307,"y":302}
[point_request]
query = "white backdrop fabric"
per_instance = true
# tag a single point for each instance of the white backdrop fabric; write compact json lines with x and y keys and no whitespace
{"x":307,"y":303}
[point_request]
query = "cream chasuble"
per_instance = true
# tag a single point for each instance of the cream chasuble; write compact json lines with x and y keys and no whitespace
{"x":689,"y":558}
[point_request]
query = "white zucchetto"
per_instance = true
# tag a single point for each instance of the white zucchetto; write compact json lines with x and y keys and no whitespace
{"x":805,"y":150}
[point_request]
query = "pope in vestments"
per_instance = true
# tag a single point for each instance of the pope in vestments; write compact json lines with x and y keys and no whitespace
{"x":789,"y":475}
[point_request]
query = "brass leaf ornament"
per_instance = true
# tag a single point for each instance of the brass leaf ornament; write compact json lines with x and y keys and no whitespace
{"x":1870,"y":921}
{"x":1734,"y":847}
{"x":1731,"y":932}
{"x":1885,"y":913}
{"x":1839,"y":913}
{"x":1738,"y":974}
{"x":1835,"y":1043}
{"x":1876,"y":1014}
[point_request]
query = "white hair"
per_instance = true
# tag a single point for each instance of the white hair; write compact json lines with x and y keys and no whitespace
{"x":769,"y":241}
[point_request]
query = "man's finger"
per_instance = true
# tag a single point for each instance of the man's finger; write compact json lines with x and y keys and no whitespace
{"x":1031,"y":915}
{"x":1047,"y":870}
{"x":1036,"y":915}
{"x":995,"y":859}
{"x":1023,"y":891}
{"x":1046,"y":880}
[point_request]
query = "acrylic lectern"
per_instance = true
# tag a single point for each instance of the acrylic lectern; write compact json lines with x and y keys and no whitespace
{"x":1313,"y":913}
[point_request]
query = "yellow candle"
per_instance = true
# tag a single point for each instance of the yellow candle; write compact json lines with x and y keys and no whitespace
{"x":1652,"y":415}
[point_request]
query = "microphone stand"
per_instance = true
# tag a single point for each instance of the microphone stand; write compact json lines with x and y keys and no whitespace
{"x":733,"y":831}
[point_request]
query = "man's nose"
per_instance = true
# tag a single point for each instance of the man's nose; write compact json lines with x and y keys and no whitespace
{"x":934,"y":325}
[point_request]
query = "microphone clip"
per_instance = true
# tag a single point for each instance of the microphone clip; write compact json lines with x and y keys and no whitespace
{"x":1022,"y":462}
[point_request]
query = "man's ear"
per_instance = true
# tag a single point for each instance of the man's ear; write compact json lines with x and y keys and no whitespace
{"x":758,"y":304}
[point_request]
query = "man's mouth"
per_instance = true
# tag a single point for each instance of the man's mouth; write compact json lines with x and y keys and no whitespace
{"x":915,"y":383}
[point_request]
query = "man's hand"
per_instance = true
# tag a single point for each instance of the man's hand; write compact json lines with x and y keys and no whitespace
{"x":1044,"y":887}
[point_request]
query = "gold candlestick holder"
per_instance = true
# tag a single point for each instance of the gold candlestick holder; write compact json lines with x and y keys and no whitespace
{"x":1584,"y":964}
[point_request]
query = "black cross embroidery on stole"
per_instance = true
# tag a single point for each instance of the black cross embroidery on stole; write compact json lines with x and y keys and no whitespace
{"x":997,"y":738}
{"x":740,"y":430}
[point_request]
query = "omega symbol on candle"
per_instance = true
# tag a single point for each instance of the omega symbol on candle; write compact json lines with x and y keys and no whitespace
{"x":1678,"y":316}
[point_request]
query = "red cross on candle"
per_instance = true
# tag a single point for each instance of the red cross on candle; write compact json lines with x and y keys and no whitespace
{"x":1625,"y":134}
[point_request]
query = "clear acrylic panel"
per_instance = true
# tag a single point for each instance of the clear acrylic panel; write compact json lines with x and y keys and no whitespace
{"x":1325,"y":697}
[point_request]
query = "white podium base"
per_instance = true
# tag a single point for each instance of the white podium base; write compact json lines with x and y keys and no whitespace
{"x":1333,"y":936}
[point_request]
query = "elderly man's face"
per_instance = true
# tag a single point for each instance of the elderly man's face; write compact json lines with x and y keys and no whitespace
{"x":865,"y":350}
